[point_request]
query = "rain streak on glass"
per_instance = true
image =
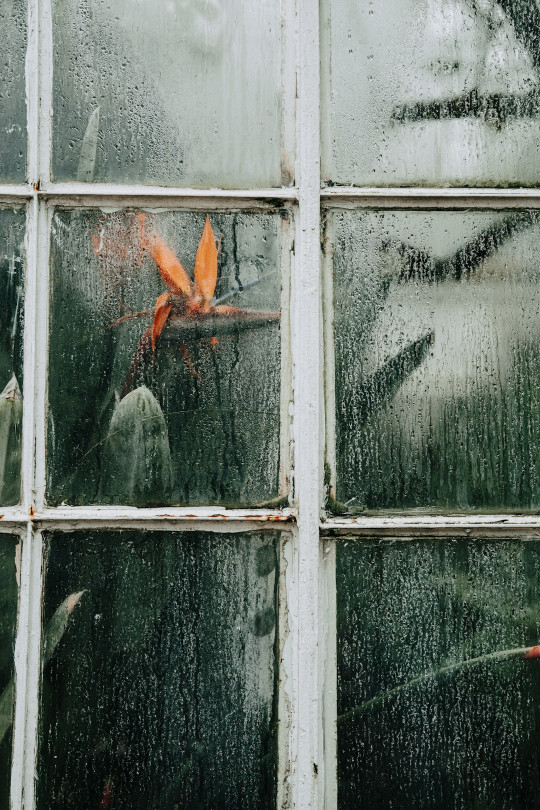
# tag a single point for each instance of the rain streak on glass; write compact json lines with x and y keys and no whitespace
{"x":168,"y":92}
{"x":13,"y":23}
{"x":436,"y":92}
{"x":164,"y":365}
{"x":438,"y":674}
{"x":10,"y":555}
{"x":437,"y":360}
{"x":160,"y":673}
{"x":12,"y":228}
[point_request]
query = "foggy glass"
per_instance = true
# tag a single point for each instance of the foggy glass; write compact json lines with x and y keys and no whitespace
{"x":9,"y":572}
{"x":437,"y":360}
{"x":160,"y":680}
{"x":12,"y":229}
{"x":436,"y":92}
{"x":13,"y":24}
{"x":438,"y":705}
{"x":168,"y":92}
{"x":197,"y":420}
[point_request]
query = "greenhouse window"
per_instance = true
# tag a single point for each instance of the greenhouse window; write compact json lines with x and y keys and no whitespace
{"x":269,"y":404}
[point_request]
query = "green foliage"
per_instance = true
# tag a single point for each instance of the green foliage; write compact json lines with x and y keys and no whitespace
{"x":137,"y":465}
{"x":11,"y":406}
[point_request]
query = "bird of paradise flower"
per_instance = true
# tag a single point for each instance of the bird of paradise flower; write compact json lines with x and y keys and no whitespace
{"x":188,"y":306}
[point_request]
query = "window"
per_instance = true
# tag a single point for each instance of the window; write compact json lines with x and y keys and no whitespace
{"x":431,"y":429}
{"x":269,"y":425}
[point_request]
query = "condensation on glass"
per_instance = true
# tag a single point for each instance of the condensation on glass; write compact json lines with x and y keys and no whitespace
{"x":12,"y":231}
{"x":159,"y":671}
{"x":438,"y":673}
{"x":436,"y":92}
{"x":13,"y":24}
{"x":184,"y":92}
{"x":437,"y":359}
{"x":193,"y":419}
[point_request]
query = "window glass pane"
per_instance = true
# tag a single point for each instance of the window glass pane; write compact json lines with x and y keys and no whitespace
{"x":431,"y":92}
{"x":13,"y":15}
{"x":160,"y":673}
{"x":196,"y":420}
{"x":437,"y":359}
{"x":438,"y":689}
{"x":12,"y":227}
{"x":9,"y":572}
{"x":184,"y":92}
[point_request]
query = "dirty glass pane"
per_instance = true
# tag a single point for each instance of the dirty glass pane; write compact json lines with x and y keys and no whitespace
{"x":13,"y":17}
{"x":438,"y":687}
{"x":12,"y":227}
{"x":431,"y":92}
{"x":160,"y":673}
{"x":437,"y":353}
{"x":196,"y":420}
{"x":183,"y":92}
{"x":9,"y":573}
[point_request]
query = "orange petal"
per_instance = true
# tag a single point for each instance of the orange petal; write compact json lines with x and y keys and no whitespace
{"x":534,"y":652}
{"x":170,"y":269}
{"x":206,"y":263}
{"x":223,"y":309}
{"x":163,"y":310}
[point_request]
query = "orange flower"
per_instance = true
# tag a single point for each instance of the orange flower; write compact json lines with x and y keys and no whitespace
{"x":184,"y":298}
{"x":188,"y":303}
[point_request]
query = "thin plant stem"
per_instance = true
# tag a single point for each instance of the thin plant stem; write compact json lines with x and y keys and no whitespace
{"x":379,"y":700}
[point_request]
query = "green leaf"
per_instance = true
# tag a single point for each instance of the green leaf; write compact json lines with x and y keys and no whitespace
{"x":11,"y":406}
{"x":55,"y":630}
{"x":87,"y":158}
{"x":137,"y":466}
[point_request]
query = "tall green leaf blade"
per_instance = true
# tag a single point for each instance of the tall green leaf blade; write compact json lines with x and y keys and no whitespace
{"x":11,"y":405}
{"x":87,"y":159}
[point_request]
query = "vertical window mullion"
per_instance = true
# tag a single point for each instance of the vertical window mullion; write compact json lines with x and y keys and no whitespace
{"x":328,"y":567}
{"x":21,"y":669}
{"x":27,"y":630}
{"x":37,"y":498}
{"x":31,"y":576}
{"x":45,"y":90}
{"x":28,"y":643}
{"x":329,"y":354}
{"x":42,"y":261}
{"x":288,"y":89}
{"x":286,"y":261}
{"x":329,"y":667}
{"x":41,"y":354}
{"x":306,"y":297}
{"x":32,"y":92}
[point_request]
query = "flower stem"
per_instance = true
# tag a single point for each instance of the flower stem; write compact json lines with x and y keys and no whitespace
{"x":378,"y":700}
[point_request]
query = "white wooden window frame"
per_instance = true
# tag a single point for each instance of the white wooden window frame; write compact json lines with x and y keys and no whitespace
{"x":307,"y":701}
